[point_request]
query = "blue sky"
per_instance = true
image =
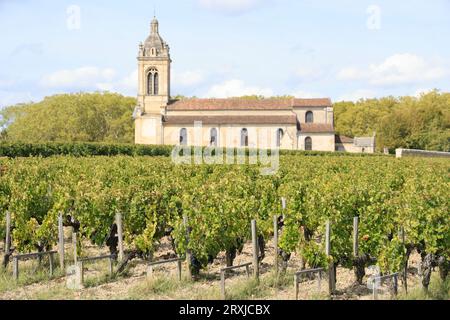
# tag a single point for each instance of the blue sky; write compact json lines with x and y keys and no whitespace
{"x":340,"y":49}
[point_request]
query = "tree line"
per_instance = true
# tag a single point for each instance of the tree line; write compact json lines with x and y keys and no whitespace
{"x":409,"y":122}
{"x":80,"y":117}
{"x":404,"y":122}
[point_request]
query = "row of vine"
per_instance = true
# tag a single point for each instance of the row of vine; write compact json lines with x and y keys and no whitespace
{"x":154,"y":194}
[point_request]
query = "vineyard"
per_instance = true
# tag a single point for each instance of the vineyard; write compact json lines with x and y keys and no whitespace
{"x":402,"y":206}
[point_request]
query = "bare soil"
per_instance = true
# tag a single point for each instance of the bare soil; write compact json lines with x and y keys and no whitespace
{"x":136,"y":285}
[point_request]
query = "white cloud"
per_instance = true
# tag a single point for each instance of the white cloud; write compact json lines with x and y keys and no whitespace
{"x":398,"y":69}
{"x":130,"y":82}
{"x":8,"y":98}
{"x":310,"y":73}
{"x":105,"y":86}
{"x":236,"y":88}
{"x":33,"y":49}
{"x":127,"y":85}
{"x":405,"y":68}
{"x":306,"y":94}
{"x":350,"y":73}
{"x":188,"y":78}
{"x":420,"y":92}
{"x":230,"y":6}
{"x":6,"y":83}
{"x":357,"y":95}
{"x":80,"y":78}
{"x":90,"y":79}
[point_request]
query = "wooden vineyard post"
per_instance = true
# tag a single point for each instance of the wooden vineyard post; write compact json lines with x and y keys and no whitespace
{"x":420,"y":274}
{"x":358,"y":265}
{"x":307,"y":272}
{"x":222,"y":285}
{"x":61,"y":241}
{"x":188,"y":251}
{"x":331,"y":278}
{"x":74,"y":247}
{"x":120,"y":235}
{"x":50,"y":261}
{"x":355,"y":237}
{"x":375,"y":291}
{"x":247,"y":270}
{"x":15,"y":268}
{"x":150,"y":271}
{"x":179,"y":270}
{"x":8,"y":233}
{"x":7,"y":239}
{"x":275,"y":242}
{"x":319,"y":281}
{"x":80,"y":265}
{"x":405,"y":263}
{"x":255,"y":251}
{"x":327,"y":238}
{"x":111,"y":267}
{"x":395,"y":285}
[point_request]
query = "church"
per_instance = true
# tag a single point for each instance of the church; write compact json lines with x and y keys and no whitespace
{"x":295,"y":124}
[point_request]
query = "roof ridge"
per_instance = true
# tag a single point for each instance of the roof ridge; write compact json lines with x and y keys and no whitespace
{"x":241,"y":103}
{"x":257,"y":99}
{"x":230,"y":119}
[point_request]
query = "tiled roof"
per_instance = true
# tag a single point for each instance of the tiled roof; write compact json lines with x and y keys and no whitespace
{"x":261,"y":119}
{"x":343,"y":139}
{"x":316,"y":127}
{"x":319,"y":102}
{"x":245,"y":104}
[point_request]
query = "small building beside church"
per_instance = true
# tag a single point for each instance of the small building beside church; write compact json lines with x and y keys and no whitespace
{"x":296,"y":124}
{"x":355,"y":145}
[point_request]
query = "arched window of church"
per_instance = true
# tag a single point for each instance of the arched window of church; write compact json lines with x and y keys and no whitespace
{"x":183,"y":137}
{"x":213,"y":138}
{"x":244,"y":138}
{"x":308,"y":143}
{"x":280,"y":134}
{"x":156,"y":84}
{"x":152,"y":82}
{"x":149,"y":84}
{"x":309,"y":117}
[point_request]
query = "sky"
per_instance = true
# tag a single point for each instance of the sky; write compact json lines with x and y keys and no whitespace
{"x":342,"y":49}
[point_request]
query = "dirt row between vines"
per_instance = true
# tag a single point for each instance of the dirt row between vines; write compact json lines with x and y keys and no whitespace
{"x":163,"y":285}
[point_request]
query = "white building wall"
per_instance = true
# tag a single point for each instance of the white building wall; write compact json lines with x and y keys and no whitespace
{"x":320,"y":141}
{"x":259,"y":136}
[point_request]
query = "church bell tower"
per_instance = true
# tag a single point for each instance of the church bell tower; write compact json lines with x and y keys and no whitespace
{"x":154,"y":87}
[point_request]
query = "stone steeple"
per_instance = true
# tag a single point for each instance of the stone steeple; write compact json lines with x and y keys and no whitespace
{"x":154,"y":85}
{"x":154,"y":45}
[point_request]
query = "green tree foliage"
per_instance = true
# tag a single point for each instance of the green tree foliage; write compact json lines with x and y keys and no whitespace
{"x":99,"y":117}
{"x":408,"y":122}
